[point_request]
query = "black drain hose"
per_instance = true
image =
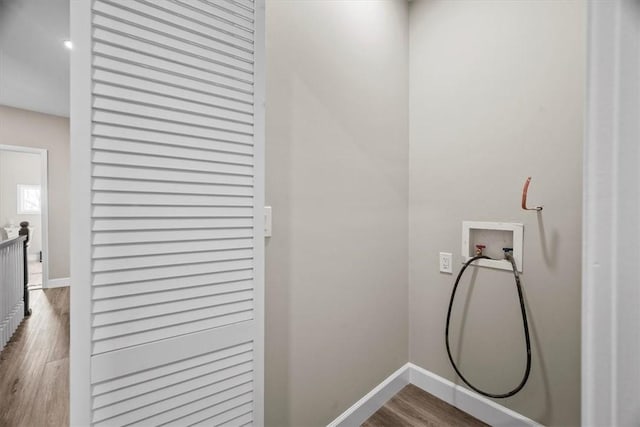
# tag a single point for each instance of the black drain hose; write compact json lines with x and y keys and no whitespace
{"x":525,"y":325}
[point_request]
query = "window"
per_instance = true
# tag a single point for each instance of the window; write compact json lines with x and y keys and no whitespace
{"x":28,"y":199}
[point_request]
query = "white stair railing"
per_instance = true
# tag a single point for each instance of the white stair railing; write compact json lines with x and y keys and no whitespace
{"x":11,"y":287}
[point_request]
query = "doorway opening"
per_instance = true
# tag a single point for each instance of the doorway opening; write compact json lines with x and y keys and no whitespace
{"x":34,"y":188}
{"x":24,"y":204}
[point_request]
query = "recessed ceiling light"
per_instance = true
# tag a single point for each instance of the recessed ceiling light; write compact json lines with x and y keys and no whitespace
{"x":68,"y":44}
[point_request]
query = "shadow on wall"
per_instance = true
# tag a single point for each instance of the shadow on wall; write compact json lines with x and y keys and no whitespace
{"x":549,"y":246}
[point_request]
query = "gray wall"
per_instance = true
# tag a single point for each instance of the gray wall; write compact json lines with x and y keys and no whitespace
{"x":30,"y":129}
{"x":497,"y":94}
{"x":337,"y":132}
{"x":19,"y":168}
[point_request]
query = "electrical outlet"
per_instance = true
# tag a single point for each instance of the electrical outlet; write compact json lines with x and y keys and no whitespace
{"x":446,"y":262}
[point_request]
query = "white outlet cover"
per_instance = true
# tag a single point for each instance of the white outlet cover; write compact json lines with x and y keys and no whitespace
{"x":446,"y":262}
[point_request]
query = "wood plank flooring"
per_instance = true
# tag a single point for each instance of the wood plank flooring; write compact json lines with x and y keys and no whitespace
{"x":35,"y":274}
{"x":34,"y":365}
{"x":413,"y":407}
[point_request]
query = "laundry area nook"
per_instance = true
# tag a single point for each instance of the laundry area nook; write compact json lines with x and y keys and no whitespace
{"x":319,"y":213}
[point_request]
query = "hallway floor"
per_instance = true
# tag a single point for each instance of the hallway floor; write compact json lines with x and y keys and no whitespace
{"x":34,"y":365}
{"x":413,"y":407}
{"x":35,"y":274}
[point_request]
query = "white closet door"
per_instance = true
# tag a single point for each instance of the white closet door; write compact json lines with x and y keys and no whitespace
{"x":167,"y":155}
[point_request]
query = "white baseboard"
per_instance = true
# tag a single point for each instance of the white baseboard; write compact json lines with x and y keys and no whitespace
{"x":472,"y":403}
{"x":466,"y":400}
{"x":369,"y":404}
{"x":58,"y":283}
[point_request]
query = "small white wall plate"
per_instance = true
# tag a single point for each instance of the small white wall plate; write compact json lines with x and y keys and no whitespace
{"x":268,"y":221}
{"x":507,"y":234}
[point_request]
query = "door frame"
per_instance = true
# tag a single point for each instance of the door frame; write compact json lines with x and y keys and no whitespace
{"x":44,"y":202}
{"x":610,"y":293}
{"x":80,"y":239}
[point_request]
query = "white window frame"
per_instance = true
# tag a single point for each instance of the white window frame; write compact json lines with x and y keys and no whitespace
{"x":20,"y":191}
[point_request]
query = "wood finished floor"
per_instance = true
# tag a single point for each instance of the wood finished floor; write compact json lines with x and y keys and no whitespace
{"x":34,"y":365}
{"x":413,"y":407}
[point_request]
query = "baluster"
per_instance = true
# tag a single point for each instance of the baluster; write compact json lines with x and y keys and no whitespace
{"x":24,"y":231}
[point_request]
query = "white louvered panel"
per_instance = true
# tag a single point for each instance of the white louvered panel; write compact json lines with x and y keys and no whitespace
{"x":159,"y":296}
{"x":222,"y":13}
{"x":176,"y":103}
{"x":224,"y":404}
{"x":164,"y":392}
{"x":228,"y":382}
{"x":158,"y":199}
{"x":112,"y":211}
{"x":230,"y":7}
{"x":108,"y":103}
{"x":228,"y":412}
{"x":245,"y":4}
{"x":153,"y":14}
{"x":160,"y":406}
{"x":119,"y":336}
{"x":143,"y":312}
{"x":104,"y":131}
{"x":127,"y":263}
{"x":158,"y":162}
{"x":187,"y":13}
{"x":177,"y":127}
{"x":117,"y":83}
{"x":147,"y":151}
{"x":150,"y":260}
{"x":176,"y":83}
{"x":173,"y":212}
{"x":148,"y":287}
{"x":224,"y":59}
{"x":227,"y":10}
{"x":212,"y":76}
{"x":149,"y":236}
{"x":129,"y":224}
{"x":115,"y":277}
{"x":116,"y":184}
{"x":110,"y":70}
{"x":241,"y":421}
{"x":184,"y":42}
{"x":170,"y":152}
{"x":140,"y":381}
{"x":228,"y":73}
{"x":182,"y":45}
{"x":147,"y":15}
{"x":154,"y":174}
{"x":132,"y":250}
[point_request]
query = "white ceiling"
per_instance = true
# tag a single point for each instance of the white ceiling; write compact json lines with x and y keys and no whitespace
{"x":34,"y":64}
